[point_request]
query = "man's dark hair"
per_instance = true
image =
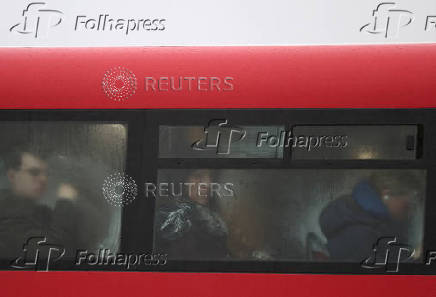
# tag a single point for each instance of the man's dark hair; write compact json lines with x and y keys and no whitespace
{"x":13,"y":158}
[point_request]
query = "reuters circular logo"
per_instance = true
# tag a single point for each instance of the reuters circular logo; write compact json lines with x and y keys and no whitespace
{"x":119,"y":189}
{"x":119,"y":83}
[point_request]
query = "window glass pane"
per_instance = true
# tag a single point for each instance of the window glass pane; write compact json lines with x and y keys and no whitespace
{"x":286,"y":214}
{"x":216,"y":141}
{"x":51,"y":177}
{"x":355,"y":142}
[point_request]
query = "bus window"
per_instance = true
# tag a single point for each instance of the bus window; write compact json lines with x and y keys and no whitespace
{"x":334,"y":215}
{"x":218,"y":140}
{"x":51,"y":178}
{"x":380,"y":142}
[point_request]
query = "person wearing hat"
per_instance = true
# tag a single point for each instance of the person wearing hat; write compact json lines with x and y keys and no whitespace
{"x":378,"y":207}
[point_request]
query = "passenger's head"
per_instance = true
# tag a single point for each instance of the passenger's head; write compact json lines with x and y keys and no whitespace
{"x":27,"y":172}
{"x":201,"y":191}
{"x":398,"y":191}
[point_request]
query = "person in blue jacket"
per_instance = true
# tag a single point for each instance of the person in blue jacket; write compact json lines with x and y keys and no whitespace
{"x":378,"y":207}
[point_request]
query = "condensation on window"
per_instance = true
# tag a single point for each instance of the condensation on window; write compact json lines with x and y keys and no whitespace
{"x":51,"y":177}
{"x":286,"y":214}
{"x":216,"y":141}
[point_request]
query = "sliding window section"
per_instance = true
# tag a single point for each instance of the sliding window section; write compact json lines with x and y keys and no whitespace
{"x":313,"y":191}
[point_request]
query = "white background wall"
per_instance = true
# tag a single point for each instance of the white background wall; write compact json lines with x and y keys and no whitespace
{"x":224,"y":22}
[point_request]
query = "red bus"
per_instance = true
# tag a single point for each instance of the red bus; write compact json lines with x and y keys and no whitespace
{"x":253,"y":171}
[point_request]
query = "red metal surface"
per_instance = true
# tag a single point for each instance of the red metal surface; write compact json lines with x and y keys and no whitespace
{"x":264,"y":77}
{"x":132,"y":284}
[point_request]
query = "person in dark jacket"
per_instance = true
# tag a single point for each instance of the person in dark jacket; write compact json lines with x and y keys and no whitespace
{"x":23,"y":217}
{"x":191,"y":228}
{"x":378,"y":207}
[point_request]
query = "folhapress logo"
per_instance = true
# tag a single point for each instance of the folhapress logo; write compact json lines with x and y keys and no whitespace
{"x":219,"y":136}
{"x":104,"y":22}
{"x":119,"y":83}
{"x":388,"y":254}
{"x":37,"y":20}
{"x":388,"y":20}
{"x":38,"y":254}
